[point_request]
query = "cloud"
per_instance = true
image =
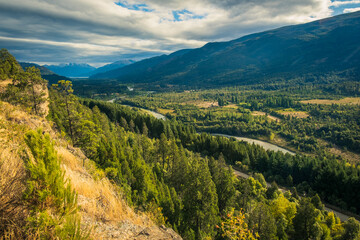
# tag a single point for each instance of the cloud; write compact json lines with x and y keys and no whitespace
{"x":94,"y":30}
{"x":341,"y":3}
{"x":349,"y":10}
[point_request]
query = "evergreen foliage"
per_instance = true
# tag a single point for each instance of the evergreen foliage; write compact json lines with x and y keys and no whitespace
{"x":160,"y":173}
{"x":27,"y":88}
{"x":52,"y":202}
{"x":9,"y":67}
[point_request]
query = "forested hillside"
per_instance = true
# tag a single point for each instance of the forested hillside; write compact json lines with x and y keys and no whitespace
{"x":45,"y":73}
{"x":313,"y":52}
{"x":180,"y":178}
{"x":48,"y":188}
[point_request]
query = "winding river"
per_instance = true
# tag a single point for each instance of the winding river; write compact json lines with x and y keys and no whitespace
{"x":265,"y":145}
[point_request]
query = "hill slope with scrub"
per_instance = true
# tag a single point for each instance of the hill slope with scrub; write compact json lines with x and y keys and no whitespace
{"x":74,"y":174}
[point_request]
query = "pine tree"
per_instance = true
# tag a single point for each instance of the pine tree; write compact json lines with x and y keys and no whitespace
{"x":36,"y":86}
{"x":201,"y":212}
{"x":49,"y":195}
{"x":65,"y":98}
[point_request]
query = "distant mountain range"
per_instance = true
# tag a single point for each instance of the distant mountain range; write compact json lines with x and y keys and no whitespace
{"x":112,"y":66}
{"x":72,"y":69}
{"x":327,"y":46}
{"x":45,"y":72}
{"x":84,"y":69}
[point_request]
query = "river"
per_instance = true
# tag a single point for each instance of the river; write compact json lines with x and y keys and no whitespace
{"x":265,"y":145}
{"x":155,"y":114}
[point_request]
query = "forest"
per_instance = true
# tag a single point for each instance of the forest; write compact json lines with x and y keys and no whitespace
{"x":184,"y":179}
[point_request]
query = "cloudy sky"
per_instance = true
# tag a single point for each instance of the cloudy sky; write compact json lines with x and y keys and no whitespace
{"x":103,"y":31}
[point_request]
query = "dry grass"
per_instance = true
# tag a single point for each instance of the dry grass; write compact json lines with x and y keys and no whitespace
{"x":98,"y":197}
{"x":101,"y":203}
{"x":233,"y":106}
{"x":291,"y":113}
{"x":258,"y":113}
{"x":165,"y":111}
{"x":350,"y":157}
{"x":12,"y":179}
{"x":274,"y":118}
{"x":201,"y":104}
{"x":347,"y":100}
{"x":4,"y":83}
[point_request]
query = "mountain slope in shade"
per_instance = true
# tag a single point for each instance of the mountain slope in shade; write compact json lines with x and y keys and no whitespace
{"x":112,"y":66}
{"x":140,"y":67}
{"x":45,"y":72}
{"x":72,"y":69}
{"x":320,"y":47}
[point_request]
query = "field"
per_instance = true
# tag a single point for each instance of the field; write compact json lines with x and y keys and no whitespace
{"x":165,"y":111}
{"x":348,"y":100}
{"x":201,"y":104}
{"x":258,"y":113}
{"x":292,"y":113}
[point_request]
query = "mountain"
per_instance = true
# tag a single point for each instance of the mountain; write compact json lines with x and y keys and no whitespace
{"x":45,"y":72}
{"x":112,"y":66}
{"x":72,"y":69}
{"x":139,"y":67}
{"x":322,"y":47}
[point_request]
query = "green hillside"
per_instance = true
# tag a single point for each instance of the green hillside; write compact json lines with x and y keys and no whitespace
{"x":306,"y":52}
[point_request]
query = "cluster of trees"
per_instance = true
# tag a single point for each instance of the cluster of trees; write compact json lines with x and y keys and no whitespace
{"x":337,"y":124}
{"x":158,"y":165}
{"x":306,"y":171}
{"x":153,"y":173}
{"x":27,"y":88}
{"x":8,"y":65}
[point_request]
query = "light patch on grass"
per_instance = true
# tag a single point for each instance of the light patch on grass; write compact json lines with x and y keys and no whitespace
{"x":347,"y":155}
{"x":98,"y":198}
{"x":274,"y":118}
{"x":165,"y":111}
{"x":290,"y":112}
{"x":231,"y":106}
{"x":4,"y":83}
{"x":259,"y":113}
{"x":201,"y":104}
{"x":347,"y":100}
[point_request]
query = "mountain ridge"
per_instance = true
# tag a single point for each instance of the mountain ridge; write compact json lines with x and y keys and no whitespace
{"x":45,"y":72}
{"x":112,"y":66}
{"x":72,"y":69}
{"x":321,"y":47}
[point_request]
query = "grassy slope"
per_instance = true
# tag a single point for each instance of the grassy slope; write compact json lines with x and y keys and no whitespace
{"x":101,"y":203}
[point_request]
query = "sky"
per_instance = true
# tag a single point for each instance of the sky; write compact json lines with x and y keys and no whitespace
{"x":104,"y":31}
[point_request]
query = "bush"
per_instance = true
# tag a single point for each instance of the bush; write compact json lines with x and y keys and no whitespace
{"x":52,"y":202}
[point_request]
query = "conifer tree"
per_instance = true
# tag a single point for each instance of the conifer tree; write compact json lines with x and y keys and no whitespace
{"x":66,"y":99}
{"x":36,"y":86}
{"x":49,"y":195}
